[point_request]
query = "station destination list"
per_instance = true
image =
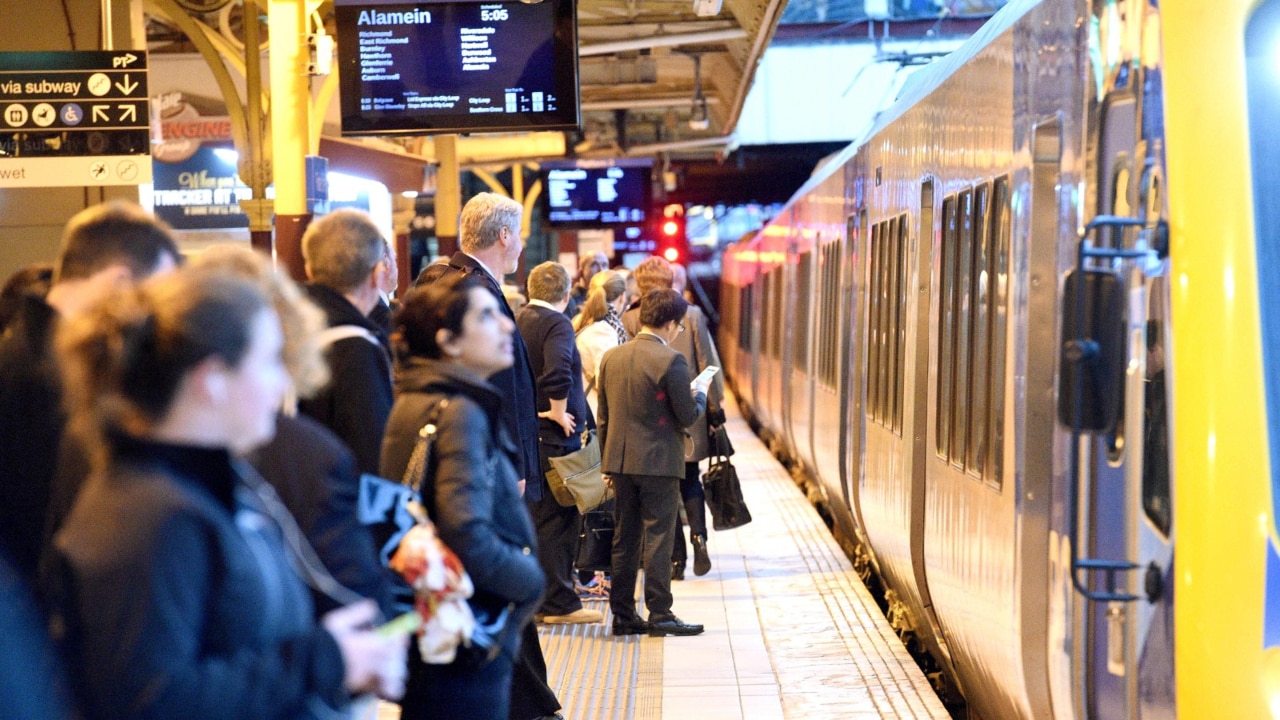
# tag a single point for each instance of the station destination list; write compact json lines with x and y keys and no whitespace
{"x":452,"y":58}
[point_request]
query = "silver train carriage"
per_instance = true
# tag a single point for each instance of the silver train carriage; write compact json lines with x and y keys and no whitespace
{"x":967,"y":330}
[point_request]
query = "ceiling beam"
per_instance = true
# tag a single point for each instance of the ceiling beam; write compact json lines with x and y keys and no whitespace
{"x":663,"y":40}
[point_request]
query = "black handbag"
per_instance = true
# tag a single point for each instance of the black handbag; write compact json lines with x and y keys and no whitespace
{"x":718,"y":439}
{"x":595,"y":539}
{"x":383,"y":507}
{"x":724,"y":493}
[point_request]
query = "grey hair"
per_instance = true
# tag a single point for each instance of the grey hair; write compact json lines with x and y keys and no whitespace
{"x":483,"y":218}
{"x":342,"y":248}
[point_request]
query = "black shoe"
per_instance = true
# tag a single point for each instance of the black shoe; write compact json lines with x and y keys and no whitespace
{"x":677,"y":570}
{"x":633,"y":627}
{"x":701,"y":561}
{"x":674,"y":626}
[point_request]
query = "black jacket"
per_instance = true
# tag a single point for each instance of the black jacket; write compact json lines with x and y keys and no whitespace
{"x":470,"y":490}
{"x":178,"y":599}
{"x":355,"y":403}
{"x":515,"y":385}
{"x":31,"y":423}
{"x":316,"y":478}
{"x":557,"y":365}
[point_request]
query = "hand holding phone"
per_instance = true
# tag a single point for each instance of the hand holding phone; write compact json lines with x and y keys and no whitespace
{"x":703,"y":381}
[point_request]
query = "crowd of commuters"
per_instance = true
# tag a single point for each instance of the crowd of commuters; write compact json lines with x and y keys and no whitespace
{"x":179,"y":534}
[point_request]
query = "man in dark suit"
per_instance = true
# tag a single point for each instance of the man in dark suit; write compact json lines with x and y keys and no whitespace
{"x":489,"y":235}
{"x":563,"y":417}
{"x":645,"y":405}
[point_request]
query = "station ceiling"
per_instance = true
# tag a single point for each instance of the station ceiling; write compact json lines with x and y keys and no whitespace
{"x":655,"y":74}
{"x":659,"y":78}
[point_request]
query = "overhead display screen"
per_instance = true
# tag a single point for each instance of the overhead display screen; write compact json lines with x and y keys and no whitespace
{"x":458,"y":66}
{"x":597,"y":193}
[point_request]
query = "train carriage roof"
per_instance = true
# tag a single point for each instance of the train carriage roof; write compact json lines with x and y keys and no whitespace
{"x":917,"y":87}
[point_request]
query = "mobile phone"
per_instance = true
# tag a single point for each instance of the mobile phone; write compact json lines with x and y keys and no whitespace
{"x":706,"y":374}
{"x":404,"y":625}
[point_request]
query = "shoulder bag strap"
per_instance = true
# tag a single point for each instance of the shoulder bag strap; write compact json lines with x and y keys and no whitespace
{"x":416,"y":470}
{"x":302,"y":555}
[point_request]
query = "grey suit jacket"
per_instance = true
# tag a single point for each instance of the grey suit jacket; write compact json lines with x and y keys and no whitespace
{"x":645,"y":406}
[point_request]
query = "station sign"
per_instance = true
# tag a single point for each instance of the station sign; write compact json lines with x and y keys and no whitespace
{"x":70,"y":119}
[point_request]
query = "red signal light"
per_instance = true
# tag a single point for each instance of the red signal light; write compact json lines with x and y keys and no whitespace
{"x":670,"y":228}
{"x":671,"y":254}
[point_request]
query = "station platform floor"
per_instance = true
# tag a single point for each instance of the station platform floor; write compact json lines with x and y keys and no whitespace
{"x":791,"y":632}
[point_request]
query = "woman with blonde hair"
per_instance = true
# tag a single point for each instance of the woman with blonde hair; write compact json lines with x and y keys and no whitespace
{"x":309,"y":467}
{"x":170,"y":580}
{"x":599,"y":325}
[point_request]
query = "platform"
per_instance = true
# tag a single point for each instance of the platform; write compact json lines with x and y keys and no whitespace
{"x":791,"y":631}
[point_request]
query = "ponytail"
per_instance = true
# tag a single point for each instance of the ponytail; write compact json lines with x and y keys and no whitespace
{"x":606,"y":287}
{"x":124,"y":360}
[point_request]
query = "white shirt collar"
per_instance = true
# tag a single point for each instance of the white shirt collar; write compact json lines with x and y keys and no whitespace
{"x":497,"y":278}
{"x":650,"y":332}
{"x":542,"y":303}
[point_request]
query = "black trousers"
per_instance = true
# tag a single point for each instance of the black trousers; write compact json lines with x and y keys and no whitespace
{"x":558,"y":529}
{"x":695,"y":509}
{"x":645,"y":518}
{"x":531,"y":696}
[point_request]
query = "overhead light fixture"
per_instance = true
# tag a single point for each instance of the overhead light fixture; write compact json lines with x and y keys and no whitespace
{"x":699,"y":118}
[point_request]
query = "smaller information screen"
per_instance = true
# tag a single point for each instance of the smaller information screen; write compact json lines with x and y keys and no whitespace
{"x":457,"y":66}
{"x":597,"y":193}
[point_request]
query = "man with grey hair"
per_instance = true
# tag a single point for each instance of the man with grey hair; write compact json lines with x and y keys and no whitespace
{"x":489,"y":235}
{"x":563,"y":417}
{"x":344,"y":254}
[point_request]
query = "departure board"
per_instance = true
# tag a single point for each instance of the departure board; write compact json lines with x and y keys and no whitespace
{"x":597,"y":193}
{"x":458,"y":66}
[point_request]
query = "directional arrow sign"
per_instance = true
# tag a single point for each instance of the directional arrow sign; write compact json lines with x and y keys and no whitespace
{"x":73,"y":118}
{"x":127,"y":87}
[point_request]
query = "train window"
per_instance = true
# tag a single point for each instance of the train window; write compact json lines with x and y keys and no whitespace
{"x":778,"y":303}
{"x":804,"y":288}
{"x":962,"y":290}
{"x":900,"y":322}
{"x":884,"y":265}
{"x":829,"y":311}
{"x":980,"y":379}
{"x":946,"y":326}
{"x":1155,"y":417}
{"x":873,"y":325}
{"x":773,"y":311}
{"x":744,"y":318}
{"x":763,"y":322}
{"x":998,"y":294}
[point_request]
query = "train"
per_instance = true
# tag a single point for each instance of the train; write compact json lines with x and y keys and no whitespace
{"x":1018,"y":340}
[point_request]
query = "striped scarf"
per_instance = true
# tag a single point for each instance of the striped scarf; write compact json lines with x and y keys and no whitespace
{"x":612,"y":318}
